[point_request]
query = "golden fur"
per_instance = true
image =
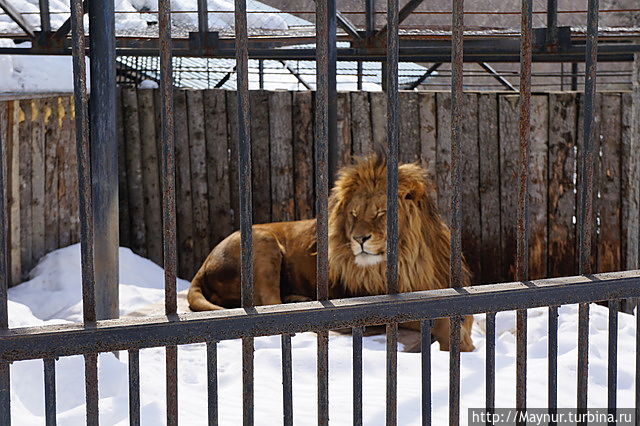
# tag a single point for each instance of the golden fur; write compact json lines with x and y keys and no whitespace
{"x":284,"y":253}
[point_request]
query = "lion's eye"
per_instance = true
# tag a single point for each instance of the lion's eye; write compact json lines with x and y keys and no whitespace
{"x":353,"y":213}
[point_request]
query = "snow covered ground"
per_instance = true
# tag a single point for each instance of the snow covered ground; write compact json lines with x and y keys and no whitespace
{"x":53,"y":295}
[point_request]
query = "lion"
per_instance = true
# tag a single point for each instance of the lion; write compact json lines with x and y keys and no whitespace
{"x":285,"y":252}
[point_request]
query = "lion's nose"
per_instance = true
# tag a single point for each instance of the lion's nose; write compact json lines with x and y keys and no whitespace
{"x":361,"y":238}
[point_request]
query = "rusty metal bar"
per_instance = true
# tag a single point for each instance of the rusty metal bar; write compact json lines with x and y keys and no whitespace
{"x":134,"y":387}
{"x":522,"y":246}
{"x":393,"y":136}
{"x":612,"y":357}
{"x":5,"y":382}
{"x":212,"y":382}
{"x":287,"y":381}
{"x":357,"y":375}
{"x":244,"y":180}
{"x":323,"y":377}
{"x":455,"y":278}
{"x":552,"y":24}
{"x":84,"y":161}
{"x":553,"y":360}
{"x":637,"y":399}
{"x":490,"y":364}
{"x":18,"y":344}
{"x":45,"y":16}
{"x":171,"y":363}
{"x":425,"y":349}
{"x":91,"y":387}
{"x":585,"y":211}
{"x":5,"y":394}
{"x":50,"y":391}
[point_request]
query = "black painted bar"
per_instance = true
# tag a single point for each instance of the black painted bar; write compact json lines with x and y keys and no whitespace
{"x":134,"y":387}
{"x":553,"y":360}
{"x":454,"y":371}
{"x":50,"y":391}
{"x":91,"y":387}
{"x":612,"y":358}
{"x":171,"y":370}
{"x":5,"y":382}
{"x":212,"y":382}
{"x":490,"y":363}
{"x":357,"y":375}
{"x":287,"y":381}
{"x":425,"y":328}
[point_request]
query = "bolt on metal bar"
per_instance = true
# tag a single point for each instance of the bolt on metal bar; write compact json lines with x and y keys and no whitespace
{"x":612,"y":357}
{"x":393,"y":136}
{"x":552,"y":351}
{"x":50,"y":391}
{"x":244,"y":180}
{"x":585,"y":212}
{"x":91,"y":387}
{"x":84,"y":161}
{"x":455,"y":278}
{"x":212,"y":382}
{"x":356,"y":348}
{"x":287,"y":381}
{"x":45,"y":16}
{"x":490,"y":363}
{"x":5,"y":382}
{"x":425,"y":349}
{"x":134,"y":387}
{"x":522,"y":246}
{"x":326,"y":163}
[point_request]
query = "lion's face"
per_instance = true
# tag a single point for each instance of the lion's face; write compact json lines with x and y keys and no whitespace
{"x":365,"y":228}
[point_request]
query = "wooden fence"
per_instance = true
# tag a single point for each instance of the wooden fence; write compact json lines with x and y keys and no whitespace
{"x":43,"y":186}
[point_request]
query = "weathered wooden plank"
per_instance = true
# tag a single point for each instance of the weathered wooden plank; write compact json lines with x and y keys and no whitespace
{"x":150,"y":175}
{"x":470,"y":205}
{"x":378,"y":120}
{"x":344,"y":129}
{"x":13,"y":190}
{"x":609,"y":237}
{"x":630,"y":184}
{"x":260,"y":163}
{"x":409,"y":144}
{"x":51,"y":140}
{"x":198,"y":156}
{"x":303,"y":154}
{"x":538,"y":186}
{"x":593,"y":259}
{"x":220,"y":219}
{"x":24,"y":124}
{"x":135,"y":189}
{"x":361,"y":132}
{"x":74,"y":196}
{"x":428,"y":134}
{"x":123,"y":192}
{"x":489,"y":191}
{"x":184,"y":203}
{"x":281,"y":153}
{"x":443,"y":155}
{"x":563,"y":110}
{"x":232,"y":133}
{"x":509,"y":154}
{"x":64,"y":171}
{"x":37,"y":178}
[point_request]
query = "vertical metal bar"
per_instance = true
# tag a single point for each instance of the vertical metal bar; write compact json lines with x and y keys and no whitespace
{"x":552,"y":24}
{"x":455,"y":277}
{"x":168,"y":200}
{"x":50,"y":391}
{"x":359,"y":75}
{"x":5,"y":383}
{"x":612,"y":370}
{"x":134,"y":387}
{"x":574,"y":76}
{"x":287,"y":381}
{"x":203,"y":24}
{"x":522,"y":251}
{"x":637,"y":401}
{"x":357,"y":375}
{"x":553,"y":360}
{"x":104,"y":156}
{"x":212,"y":382}
{"x":588,"y":157}
{"x":425,"y":327}
{"x":370,"y":16}
{"x":84,"y":161}
{"x":261,"y":74}
{"x":45,"y":17}
{"x":490,"y":361}
{"x":91,"y":388}
{"x":326,"y":164}
{"x":244,"y":179}
{"x":393,"y":134}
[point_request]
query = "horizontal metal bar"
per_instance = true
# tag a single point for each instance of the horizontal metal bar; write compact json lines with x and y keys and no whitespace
{"x":135,"y":333}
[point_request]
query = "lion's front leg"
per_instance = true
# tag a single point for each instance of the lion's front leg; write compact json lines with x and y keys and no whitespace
{"x":441,"y":332}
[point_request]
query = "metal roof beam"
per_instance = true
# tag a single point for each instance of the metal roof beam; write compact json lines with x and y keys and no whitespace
{"x":17,"y":18}
{"x":488,"y":68}
{"x":404,"y":13}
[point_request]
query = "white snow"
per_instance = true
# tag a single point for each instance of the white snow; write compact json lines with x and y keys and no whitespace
{"x":53,"y":295}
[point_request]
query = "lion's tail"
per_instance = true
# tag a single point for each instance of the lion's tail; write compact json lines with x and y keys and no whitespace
{"x":196,"y":298}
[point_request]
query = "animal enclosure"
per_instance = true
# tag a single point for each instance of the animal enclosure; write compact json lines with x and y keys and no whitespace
{"x":44,"y":186}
